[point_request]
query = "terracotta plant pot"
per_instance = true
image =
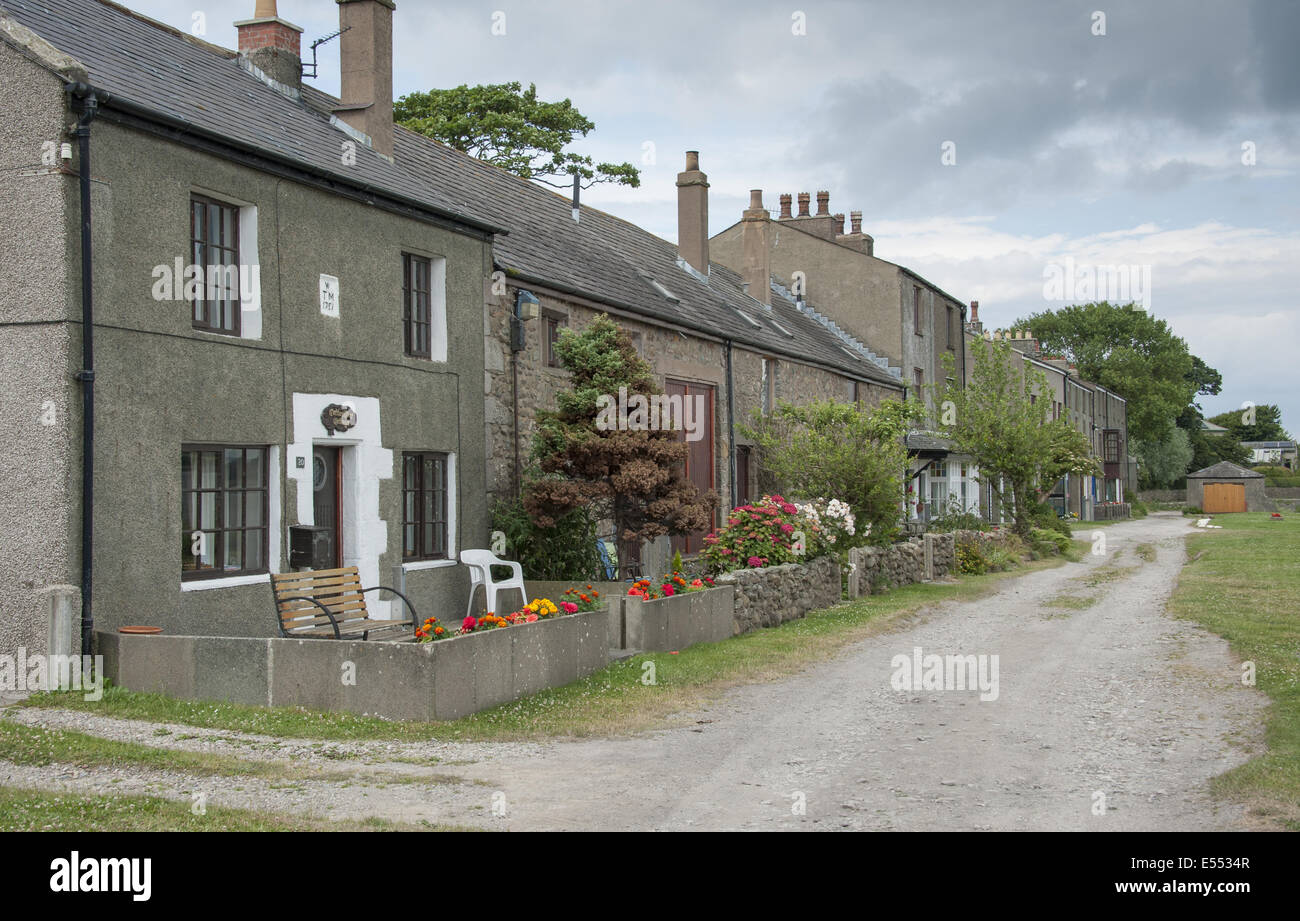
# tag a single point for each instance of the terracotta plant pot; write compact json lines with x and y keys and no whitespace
{"x":141,"y":631}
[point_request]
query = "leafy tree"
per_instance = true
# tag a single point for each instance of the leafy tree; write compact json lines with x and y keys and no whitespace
{"x":632,"y":476}
{"x":1128,"y":351}
{"x":1164,"y":463}
{"x":508,"y":126}
{"x":1267,"y":425}
{"x":1208,"y":382}
{"x":839,"y":451}
{"x":1018,"y":450}
{"x":1208,"y":448}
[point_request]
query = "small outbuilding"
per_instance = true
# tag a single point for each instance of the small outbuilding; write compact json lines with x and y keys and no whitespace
{"x":1226,"y":487}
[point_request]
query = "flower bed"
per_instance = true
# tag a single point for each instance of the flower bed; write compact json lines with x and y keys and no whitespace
{"x":672,"y":622}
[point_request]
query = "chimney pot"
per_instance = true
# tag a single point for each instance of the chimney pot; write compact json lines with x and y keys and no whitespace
{"x":366,"y":69}
{"x":785,"y":207}
{"x":839,"y":223}
{"x":974,"y":311}
{"x":693,"y":214}
{"x":271,"y":44}
{"x":803,"y":204}
{"x":855,"y":221}
{"x":755,"y":241}
{"x":823,"y":204}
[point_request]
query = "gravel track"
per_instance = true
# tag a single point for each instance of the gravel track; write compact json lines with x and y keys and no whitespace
{"x":1116,"y":699}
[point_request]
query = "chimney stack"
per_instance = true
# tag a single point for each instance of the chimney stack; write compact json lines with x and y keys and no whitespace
{"x":755,"y":238}
{"x":803,"y":204}
{"x":973,"y":325}
{"x":855,"y":222}
{"x":693,"y":214}
{"x":839,"y":224}
{"x":823,"y":204}
{"x":785,"y":207}
{"x":272,"y":45}
{"x":366,"y":70}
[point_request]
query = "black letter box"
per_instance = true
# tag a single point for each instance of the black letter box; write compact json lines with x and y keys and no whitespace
{"x":309,"y":547}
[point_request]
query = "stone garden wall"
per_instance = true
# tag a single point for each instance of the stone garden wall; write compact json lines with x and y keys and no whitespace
{"x":770,"y":596}
{"x":921,"y":559}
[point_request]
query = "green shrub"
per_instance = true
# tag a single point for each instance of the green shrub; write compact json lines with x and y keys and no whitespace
{"x":1048,"y":542}
{"x":1045,"y":517}
{"x":971,"y":558}
{"x":565,"y":552}
{"x":1001,"y":559}
{"x":954,"y":518}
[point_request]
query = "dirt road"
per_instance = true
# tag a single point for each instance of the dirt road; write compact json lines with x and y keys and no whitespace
{"x":1109,"y":715}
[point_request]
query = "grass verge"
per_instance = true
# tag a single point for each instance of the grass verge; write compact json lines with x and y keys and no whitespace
{"x":23,"y":809}
{"x":611,"y":701}
{"x":1246,"y":588}
{"x":41,"y":746}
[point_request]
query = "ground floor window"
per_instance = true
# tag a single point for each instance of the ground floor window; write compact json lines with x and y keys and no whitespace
{"x":224,"y":510}
{"x":424,"y":505}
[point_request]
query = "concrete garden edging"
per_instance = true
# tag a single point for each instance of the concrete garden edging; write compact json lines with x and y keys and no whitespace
{"x":673,"y":623}
{"x":402,"y":681}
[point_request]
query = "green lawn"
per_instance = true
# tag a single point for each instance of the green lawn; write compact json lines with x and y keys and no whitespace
{"x":613,"y":700}
{"x":1246,"y":587}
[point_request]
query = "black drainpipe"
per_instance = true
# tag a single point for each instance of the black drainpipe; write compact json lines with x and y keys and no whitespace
{"x":88,"y":107}
{"x":731,"y":429}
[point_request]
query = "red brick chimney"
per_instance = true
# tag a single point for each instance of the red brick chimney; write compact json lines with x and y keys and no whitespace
{"x":755,"y":240}
{"x":803,"y":204}
{"x":855,"y":222}
{"x":823,"y":204}
{"x":366,"y":70}
{"x":973,"y":324}
{"x":785,"y":207}
{"x":693,"y":214}
{"x":272,"y":45}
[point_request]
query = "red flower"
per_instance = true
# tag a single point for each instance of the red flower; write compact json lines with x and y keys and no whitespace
{"x":468,"y":624}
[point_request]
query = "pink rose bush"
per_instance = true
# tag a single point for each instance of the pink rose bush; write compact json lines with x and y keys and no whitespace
{"x":773,"y":531}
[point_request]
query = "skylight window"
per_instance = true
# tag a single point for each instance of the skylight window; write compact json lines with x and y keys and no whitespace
{"x":748,"y":319}
{"x":780,"y":328}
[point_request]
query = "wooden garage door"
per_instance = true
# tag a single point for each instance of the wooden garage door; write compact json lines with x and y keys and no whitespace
{"x":1225,"y":497}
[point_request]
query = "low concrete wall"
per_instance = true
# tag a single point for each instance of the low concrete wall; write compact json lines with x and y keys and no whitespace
{"x":770,"y":596}
{"x":403,"y":681}
{"x":669,"y":624}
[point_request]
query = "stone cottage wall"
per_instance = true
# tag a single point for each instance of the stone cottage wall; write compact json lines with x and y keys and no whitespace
{"x":770,"y":596}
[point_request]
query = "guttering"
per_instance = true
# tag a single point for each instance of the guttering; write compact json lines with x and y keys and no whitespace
{"x":88,"y":107}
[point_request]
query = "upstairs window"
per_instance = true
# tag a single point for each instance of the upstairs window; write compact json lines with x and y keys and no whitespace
{"x":553,"y":324}
{"x":214,"y":242}
{"x":416,"y":305}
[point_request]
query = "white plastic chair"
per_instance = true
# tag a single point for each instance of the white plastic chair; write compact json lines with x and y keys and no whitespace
{"x":480,"y":563}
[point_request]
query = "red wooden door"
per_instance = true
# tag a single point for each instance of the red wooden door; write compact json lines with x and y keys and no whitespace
{"x":700,"y":461}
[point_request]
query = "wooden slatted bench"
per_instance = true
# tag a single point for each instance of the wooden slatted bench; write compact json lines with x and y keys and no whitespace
{"x":331,"y":604}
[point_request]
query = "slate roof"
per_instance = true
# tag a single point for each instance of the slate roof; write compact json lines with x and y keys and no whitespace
{"x":1225,"y":469}
{"x":148,"y":65}
{"x":927,"y":442}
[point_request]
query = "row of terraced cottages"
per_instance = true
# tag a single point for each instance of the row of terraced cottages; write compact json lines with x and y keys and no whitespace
{"x":306,"y":339}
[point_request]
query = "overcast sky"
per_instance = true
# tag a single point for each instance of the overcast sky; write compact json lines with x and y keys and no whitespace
{"x":1123,"y":148}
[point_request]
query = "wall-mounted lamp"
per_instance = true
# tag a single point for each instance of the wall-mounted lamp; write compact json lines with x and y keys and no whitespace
{"x":527,"y":307}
